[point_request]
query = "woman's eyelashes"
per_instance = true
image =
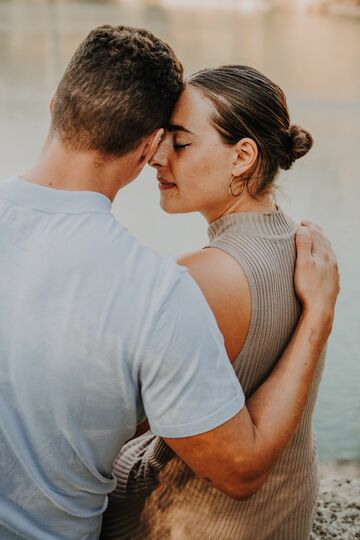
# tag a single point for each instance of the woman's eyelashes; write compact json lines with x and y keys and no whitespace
{"x":180,"y":146}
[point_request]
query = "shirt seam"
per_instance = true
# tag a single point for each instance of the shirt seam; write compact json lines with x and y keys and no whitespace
{"x":49,"y":212}
{"x":220,"y":416}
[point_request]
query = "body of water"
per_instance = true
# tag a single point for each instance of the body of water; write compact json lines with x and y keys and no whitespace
{"x":314,"y":58}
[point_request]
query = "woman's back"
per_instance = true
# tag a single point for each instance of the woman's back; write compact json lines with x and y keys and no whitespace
{"x":186,"y":507}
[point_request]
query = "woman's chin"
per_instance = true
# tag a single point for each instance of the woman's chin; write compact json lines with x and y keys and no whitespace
{"x":169,"y":209}
{"x":170,"y":205}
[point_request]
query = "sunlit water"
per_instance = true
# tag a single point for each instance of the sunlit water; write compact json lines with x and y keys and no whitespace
{"x":315,"y":59}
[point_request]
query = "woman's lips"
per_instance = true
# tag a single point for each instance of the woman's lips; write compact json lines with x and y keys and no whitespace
{"x":163,"y":184}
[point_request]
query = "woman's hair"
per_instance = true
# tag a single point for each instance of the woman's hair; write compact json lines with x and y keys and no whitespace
{"x":248,"y":104}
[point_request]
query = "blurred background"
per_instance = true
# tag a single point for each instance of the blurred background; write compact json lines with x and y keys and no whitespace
{"x":311,"y":48}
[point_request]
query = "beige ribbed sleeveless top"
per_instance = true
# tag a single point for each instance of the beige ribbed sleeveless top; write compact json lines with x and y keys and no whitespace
{"x":185,"y":507}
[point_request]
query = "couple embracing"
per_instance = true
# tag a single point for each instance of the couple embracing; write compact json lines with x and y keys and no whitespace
{"x":220,"y":352}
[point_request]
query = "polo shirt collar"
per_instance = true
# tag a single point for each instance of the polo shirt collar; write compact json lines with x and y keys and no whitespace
{"x":45,"y":199}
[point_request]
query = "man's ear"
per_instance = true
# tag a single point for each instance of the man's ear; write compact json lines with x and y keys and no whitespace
{"x":51,"y":104}
{"x":151,"y":145}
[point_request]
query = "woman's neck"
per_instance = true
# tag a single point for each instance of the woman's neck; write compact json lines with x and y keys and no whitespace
{"x":263,"y":204}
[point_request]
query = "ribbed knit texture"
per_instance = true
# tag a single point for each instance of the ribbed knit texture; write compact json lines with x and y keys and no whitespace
{"x":177,"y":505}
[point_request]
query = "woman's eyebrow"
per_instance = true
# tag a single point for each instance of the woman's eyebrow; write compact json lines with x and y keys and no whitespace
{"x":176,"y":127}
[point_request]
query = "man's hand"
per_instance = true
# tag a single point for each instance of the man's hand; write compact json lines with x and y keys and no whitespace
{"x":316,"y":273}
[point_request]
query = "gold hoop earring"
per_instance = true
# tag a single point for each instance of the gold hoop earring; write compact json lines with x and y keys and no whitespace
{"x":230,"y":187}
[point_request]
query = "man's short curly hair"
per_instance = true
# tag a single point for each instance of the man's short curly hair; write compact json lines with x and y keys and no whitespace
{"x":121,"y":84}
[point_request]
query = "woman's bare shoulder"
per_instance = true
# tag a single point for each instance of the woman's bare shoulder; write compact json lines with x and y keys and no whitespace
{"x":226,"y":289}
{"x":215,"y":270}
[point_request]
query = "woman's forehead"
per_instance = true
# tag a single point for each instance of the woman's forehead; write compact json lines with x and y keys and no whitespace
{"x":192,"y":110}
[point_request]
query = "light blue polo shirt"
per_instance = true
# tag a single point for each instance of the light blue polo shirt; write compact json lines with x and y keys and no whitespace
{"x":95,"y":332}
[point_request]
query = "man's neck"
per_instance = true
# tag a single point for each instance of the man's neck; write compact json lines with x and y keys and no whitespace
{"x":61,"y":168}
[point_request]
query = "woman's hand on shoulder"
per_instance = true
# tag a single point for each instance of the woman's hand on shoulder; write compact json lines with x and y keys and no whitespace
{"x":225,"y":287}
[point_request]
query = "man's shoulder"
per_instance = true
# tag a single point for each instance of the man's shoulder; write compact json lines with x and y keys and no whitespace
{"x":141,"y":265}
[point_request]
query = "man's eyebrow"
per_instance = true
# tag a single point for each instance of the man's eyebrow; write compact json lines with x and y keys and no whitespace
{"x":176,"y":127}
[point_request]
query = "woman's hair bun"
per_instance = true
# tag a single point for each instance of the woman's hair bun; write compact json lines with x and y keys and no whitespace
{"x":299,"y":143}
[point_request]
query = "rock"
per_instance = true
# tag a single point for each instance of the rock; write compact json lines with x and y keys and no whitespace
{"x":338,"y":511}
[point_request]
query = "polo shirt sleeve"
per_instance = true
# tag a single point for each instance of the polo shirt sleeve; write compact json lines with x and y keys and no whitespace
{"x":188,"y":385}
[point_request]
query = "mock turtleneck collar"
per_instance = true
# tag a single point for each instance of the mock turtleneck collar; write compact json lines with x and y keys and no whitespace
{"x":274,"y":224}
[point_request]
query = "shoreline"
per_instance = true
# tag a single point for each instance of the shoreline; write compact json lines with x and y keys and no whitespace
{"x":340,"y":468}
{"x":338,"y":509}
{"x":348,"y":8}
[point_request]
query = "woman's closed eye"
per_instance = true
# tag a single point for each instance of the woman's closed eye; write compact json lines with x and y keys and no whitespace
{"x":180,"y":146}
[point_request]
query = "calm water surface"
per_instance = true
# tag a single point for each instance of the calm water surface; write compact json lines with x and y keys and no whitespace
{"x":315,"y":59}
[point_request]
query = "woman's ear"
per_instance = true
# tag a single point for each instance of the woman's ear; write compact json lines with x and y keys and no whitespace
{"x":245,"y":158}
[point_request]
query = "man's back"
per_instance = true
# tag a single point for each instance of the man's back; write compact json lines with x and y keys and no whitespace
{"x":81,"y":303}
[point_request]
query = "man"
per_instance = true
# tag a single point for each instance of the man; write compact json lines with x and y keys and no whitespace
{"x":96,"y":331}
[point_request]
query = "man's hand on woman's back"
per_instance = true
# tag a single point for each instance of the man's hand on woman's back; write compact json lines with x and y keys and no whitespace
{"x":317,"y":281}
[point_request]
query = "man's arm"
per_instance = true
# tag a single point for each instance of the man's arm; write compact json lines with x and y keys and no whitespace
{"x":238,"y":456}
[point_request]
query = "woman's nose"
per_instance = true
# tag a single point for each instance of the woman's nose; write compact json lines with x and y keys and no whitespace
{"x":159,"y":158}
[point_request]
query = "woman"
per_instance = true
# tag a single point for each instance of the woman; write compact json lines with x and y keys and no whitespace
{"x":228,"y":137}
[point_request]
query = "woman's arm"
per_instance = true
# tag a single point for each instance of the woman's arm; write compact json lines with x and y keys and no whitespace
{"x":226,"y":289}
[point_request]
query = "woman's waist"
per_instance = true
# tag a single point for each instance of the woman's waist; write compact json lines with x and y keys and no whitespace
{"x":298,"y":465}
{"x":180,"y":491}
